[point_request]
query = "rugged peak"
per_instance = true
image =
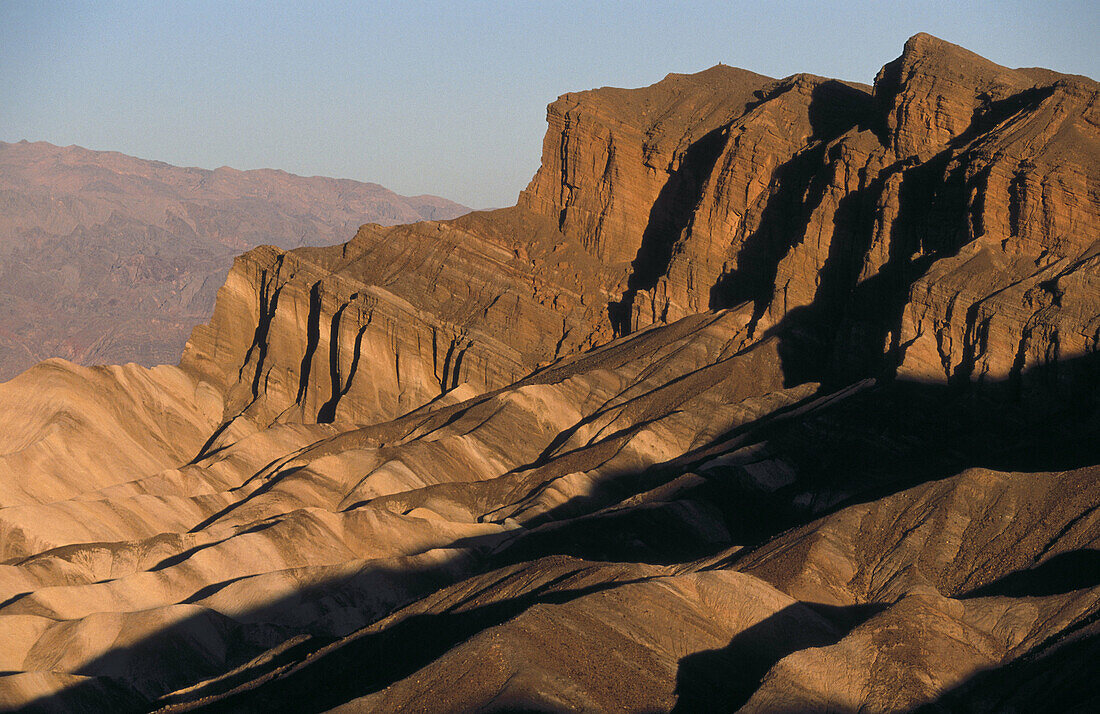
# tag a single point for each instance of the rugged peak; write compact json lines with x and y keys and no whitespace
{"x":928,"y":95}
{"x":589,"y":181}
{"x":923,"y":43}
{"x":717,"y":75}
{"x":931,"y":55}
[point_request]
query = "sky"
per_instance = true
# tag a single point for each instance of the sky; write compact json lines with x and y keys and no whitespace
{"x":446,"y":98}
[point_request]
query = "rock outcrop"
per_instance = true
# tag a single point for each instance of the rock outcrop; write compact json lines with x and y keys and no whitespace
{"x":769,"y":395}
{"x":863,"y":213}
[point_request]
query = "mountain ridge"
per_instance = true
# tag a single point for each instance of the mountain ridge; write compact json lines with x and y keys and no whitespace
{"x":110,"y":258}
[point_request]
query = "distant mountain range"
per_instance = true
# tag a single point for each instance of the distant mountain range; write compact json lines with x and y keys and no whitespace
{"x":107,"y":258}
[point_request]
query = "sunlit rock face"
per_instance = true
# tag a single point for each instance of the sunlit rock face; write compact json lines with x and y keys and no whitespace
{"x":939,"y":214}
{"x":771,"y":395}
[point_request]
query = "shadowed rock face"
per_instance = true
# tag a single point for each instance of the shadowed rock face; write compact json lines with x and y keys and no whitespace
{"x":107,"y":258}
{"x":771,"y":395}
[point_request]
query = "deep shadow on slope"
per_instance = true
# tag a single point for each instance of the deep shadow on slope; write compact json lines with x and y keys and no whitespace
{"x":835,"y":107}
{"x":1053,"y":676}
{"x":724,"y":679}
{"x":871,"y":443}
{"x":798,"y":187}
{"x":668,"y":216}
{"x":849,"y":320}
{"x":1073,"y":570}
{"x":1058,"y":675}
{"x":868,"y":444}
{"x":311,"y":673}
{"x":371,"y":660}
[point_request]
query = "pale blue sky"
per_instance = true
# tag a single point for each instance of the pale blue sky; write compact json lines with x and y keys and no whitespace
{"x":437,"y":97}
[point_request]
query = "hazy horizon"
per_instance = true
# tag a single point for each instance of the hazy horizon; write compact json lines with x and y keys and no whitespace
{"x":435,"y":98}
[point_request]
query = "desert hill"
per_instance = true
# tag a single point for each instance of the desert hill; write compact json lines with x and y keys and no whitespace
{"x":106,"y":258}
{"x":768,"y":395}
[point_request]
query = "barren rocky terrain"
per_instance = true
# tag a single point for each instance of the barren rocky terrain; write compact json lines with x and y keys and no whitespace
{"x":769,"y":395}
{"x":105,"y":258}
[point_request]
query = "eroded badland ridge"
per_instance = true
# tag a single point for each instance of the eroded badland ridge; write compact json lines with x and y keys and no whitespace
{"x":771,"y":395}
{"x":106,"y":258}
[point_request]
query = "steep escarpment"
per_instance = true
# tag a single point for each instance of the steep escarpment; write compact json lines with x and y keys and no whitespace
{"x":769,"y":395}
{"x":392,"y":320}
{"x":853,"y":210}
{"x":619,"y":166}
{"x":937,"y":224}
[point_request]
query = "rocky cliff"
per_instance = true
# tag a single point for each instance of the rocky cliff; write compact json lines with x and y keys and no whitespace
{"x":937,"y":224}
{"x":927,"y":218}
{"x":770,"y":395}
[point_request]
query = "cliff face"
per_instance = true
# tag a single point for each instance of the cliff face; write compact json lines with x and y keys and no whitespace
{"x":768,"y":395}
{"x":940,"y":225}
{"x":854,"y":210}
{"x":397,"y":318}
{"x":619,"y":165}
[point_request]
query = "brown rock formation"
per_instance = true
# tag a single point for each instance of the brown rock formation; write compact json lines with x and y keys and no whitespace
{"x":770,"y":395}
{"x":821,"y":195}
{"x":107,"y":258}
